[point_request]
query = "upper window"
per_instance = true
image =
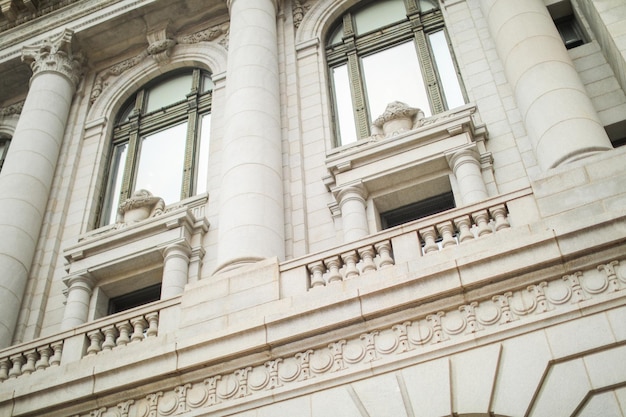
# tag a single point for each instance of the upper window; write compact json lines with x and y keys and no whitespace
{"x":160,"y":141}
{"x":5,"y":141}
{"x":385,"y":51}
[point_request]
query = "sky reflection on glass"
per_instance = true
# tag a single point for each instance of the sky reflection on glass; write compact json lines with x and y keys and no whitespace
{"x":161,"y":161}
{"x":446,"y":70}
{"x":394,"y":75}
{"x":343,"y":101}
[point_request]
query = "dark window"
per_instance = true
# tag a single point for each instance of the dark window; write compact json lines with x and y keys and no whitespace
{"x":570,"y":31}
{"x":417,"y":210}
{"x":5,"y":141}
{"x":134,"y":299}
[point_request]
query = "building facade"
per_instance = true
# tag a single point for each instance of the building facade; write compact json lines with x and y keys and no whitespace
{"x":312,"y":208}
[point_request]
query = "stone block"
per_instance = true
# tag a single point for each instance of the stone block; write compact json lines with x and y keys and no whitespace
{"x":579,"y":335}
{"x":606,"y":368}
{"x":428,"y":387}
{"x":556,"y":398}
{"x":335,"y":402}
{"x":380,"y":395}
{"x":522,"y":364}
{"x":473,"y":375}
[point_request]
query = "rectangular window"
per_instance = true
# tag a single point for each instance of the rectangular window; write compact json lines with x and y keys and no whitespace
{"x":417,"y":210}
{"x":134,"y":299}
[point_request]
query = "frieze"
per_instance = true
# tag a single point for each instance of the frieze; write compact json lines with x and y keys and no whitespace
{"x":405,"y":338}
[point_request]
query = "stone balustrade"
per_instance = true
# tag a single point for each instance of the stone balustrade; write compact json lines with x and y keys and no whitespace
{"x":455,"y":227}
{"x":97,"y":337}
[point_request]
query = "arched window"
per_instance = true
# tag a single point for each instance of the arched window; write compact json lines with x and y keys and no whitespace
{"x":5,"y":141}
{"x":385,"y":51}
{"x":160,"y":141}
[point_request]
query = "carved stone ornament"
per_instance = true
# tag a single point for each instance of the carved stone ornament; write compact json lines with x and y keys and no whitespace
{"x":397,"y":118}
{"x":55,"y":55}
{"x":159,"y":45}
{"x":15,"y":108}
{"x":140,"y":206}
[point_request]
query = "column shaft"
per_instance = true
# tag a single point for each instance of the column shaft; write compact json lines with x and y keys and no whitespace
{"x":27,"y":173}
{"x":77,"y":305}
{"x":466,"y":167}
{"x":353,"y":214}
{"x":560,"y":119}
{"x":175,"y":271}
{"x":251,"y":217}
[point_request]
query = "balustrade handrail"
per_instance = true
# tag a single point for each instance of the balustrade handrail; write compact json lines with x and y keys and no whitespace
{"x":413,"y":226}
{"x":36,"y":345}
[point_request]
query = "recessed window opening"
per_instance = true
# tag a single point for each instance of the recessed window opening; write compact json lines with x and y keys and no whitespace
{"x":617,"y":133}
{"x":417,"y":210}
{"x":161,"y":141}
{"x":570,"y":31}
{"x":5,"y":141}
{"x":134,"y":299}
{"x":385,"y":51}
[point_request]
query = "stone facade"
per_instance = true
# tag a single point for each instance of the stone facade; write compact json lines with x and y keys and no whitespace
{"x":293,"y":276}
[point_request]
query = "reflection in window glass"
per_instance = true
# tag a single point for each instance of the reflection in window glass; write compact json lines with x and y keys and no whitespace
{"x":115,"y":183}
{"x":203,"y":154}
{"x":161,"y":161}
{"x":167,"y":92}
{"x":427,"y":5}
{"x":336,"y":36}
{"x":344,"y":112}
{"x":394,"y":75}
{"x":379,"y":14}
{"x":447,"y":73}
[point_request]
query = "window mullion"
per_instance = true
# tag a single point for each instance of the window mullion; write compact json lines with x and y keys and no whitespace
{"x":190,"y":145}
{"x":428,"y":71}
{"x":131,"y":160}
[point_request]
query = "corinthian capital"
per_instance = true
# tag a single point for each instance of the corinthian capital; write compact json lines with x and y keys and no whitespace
{"x":55,"y":55}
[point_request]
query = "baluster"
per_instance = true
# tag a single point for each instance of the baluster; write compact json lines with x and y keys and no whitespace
{"x":350,"y":259}
{"x":463,"y":225}
{"x":110,"y":333}
{"x":31,"y":359}
{"x":44,"y":357}
{"x":499,"y":215}
{"x":95,"y":339}
{"x":446,"y":231}
{"x":481,"y":218}
{"x":367,"y":254}
{"x":5,"y":364}
{"x":153,"y":324}
{"x":124,"y":328}
{"x":139,"y":325}
{"x":429,"y":236}
{"x":57,"y":348}
{"x":333,"y":264}
{"x":317,"y":274}
{"x":18,"y":361}
{"x":384,"y":251}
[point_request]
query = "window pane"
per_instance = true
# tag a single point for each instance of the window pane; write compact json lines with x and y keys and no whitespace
{"x":446,"y":70}
{"x":161,"y":162}
{"x":203,"y":154}
{"x":116,"y":174}
{"x":168,"y":92}
{"x":379,"y":14}
{"x":337,"y":35}
{"x":344,"y":111}
{"x":207,"y":83}
{"x":427,"y":5}
{"x":394,"y":75}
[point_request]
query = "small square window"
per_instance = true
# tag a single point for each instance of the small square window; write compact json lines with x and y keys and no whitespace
{"x":134,"y":299}
{"x":570,"y":31}
{"x":417,"y":210}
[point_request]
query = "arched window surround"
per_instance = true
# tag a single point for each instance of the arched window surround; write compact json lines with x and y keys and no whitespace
{"x":101,"y":116}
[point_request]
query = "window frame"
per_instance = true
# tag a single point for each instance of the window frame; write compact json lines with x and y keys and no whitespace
{"x":132,"y":124}
{"x":416,"y":27}
{"x":6,"y":142}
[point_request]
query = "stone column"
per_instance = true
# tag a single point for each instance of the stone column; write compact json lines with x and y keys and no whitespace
{"x":27,"y":173}
{"x":175,"y":270}
{"x":251,"y":217}
{"x":560,"y":119}
{"x":466,"y":167}
{"x":79,"y":290}
{"x":352,"y":203}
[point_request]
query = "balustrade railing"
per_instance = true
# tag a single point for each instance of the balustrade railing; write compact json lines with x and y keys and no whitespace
{"x":101,"y":336}
{"x":453,"y":228}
